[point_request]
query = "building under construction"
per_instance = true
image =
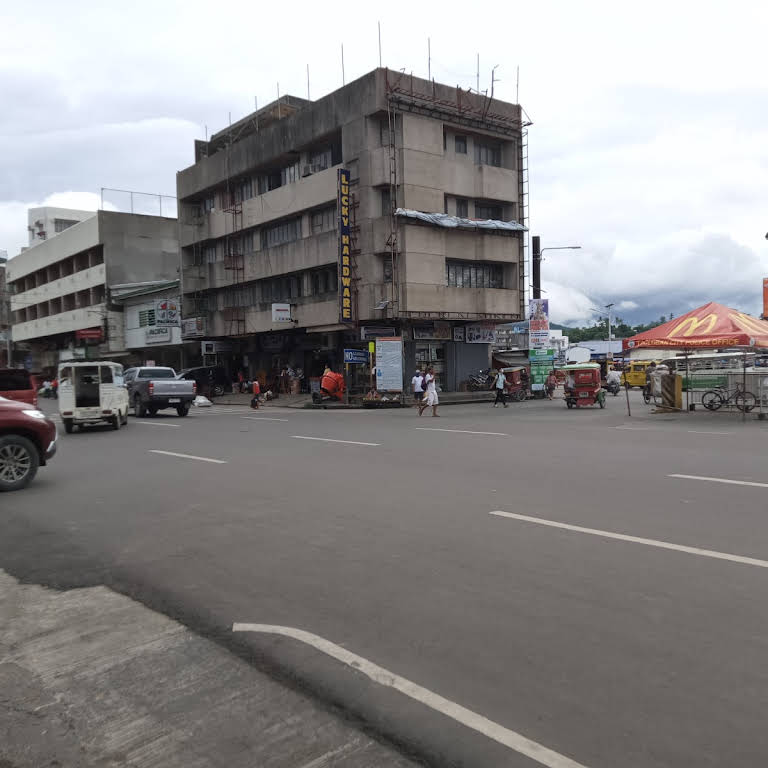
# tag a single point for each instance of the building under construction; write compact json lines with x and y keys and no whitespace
{"x":433,"y":224}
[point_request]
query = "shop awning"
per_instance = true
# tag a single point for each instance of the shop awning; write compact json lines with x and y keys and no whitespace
{"x":712,"y":326}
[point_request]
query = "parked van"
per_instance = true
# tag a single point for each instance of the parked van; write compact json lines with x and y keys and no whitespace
{"x":18,"y":384}
{"x":92,"y":392}
{"x":634,"y":373}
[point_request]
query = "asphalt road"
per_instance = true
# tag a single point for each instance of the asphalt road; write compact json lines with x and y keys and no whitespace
{"x":523,"y":644}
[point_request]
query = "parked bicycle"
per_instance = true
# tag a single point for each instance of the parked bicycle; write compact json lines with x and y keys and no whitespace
{"x":714,"y":399}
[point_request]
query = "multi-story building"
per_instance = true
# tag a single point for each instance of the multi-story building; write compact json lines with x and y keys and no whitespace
{"x":5,"y":315}
{"x":259,"y":225}
{"x":61,"y":287}
{"x":47,"y":222}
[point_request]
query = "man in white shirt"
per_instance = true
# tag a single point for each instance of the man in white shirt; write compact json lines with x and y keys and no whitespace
{"x":417,"y":385}
{"x":613,"y":377}
{"x":431,"y":398}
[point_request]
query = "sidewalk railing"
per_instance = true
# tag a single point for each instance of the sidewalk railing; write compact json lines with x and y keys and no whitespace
{"x":697,"y":383}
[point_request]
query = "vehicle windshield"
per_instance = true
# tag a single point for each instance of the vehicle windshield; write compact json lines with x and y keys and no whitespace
{"x":15,"y":380}
{"x":157,"y":373}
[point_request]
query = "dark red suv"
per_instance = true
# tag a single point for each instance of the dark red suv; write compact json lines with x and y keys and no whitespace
{"x":27,"y":441}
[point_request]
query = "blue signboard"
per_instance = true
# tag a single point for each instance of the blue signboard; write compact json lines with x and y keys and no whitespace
{"x":355,"y":356}
{"x":345,"y":248}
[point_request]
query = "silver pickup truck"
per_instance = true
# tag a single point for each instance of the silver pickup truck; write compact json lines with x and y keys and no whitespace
{"x":151,"y":389}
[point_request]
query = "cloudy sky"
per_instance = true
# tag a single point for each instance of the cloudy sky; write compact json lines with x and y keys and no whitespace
{"x":649,"y":146}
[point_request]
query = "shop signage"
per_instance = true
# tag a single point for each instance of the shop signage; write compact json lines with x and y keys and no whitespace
{"x":541,"y":365}
{"x":481,"y":333}
{"x":155,"y":335}
{"x":167,"y":313}
{"x":89,"y":334}
{"x":355,"y":356}
{"x":538,"y":321}
{"x":439,"y":331}
{"x":192,"y":327}
{"x":389,"y":364}
{"x":371,"y":333}
{"x":215,"y":347}
{"x":459,"y":333}
{"x":345,"y":254}
{"x":281,"y":313}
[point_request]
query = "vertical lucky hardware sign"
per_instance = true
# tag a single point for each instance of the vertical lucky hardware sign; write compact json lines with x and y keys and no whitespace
{"x":345,"y":263}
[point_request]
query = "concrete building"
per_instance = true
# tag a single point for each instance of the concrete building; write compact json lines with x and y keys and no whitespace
{"x":47,"y":222}
{"x":61,"y":300}
{"x":5,"y":315}
{"x":259,"y":225}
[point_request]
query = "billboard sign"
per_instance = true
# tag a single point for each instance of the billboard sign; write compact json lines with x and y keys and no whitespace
{"x":167,"y":313}
{"x":538,"y":322}
{"x":389,"y":364}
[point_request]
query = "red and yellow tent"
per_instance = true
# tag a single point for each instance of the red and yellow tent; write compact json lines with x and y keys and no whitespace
{"x":709,"y":327}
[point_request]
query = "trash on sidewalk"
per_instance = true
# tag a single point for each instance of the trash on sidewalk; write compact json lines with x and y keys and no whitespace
{"x":202,"y":402}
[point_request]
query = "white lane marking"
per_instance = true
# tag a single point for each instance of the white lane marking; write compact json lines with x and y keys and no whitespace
{"x":636,"y":429}
{"x":636,"y":539}
{"x":328,"y":440}
{"x":461,"y":431}
{"x":156,"y":424}
{"x":187,"y":456}
{"x":720,"y":480}
{"x":515,"y":741}
{"x":261,"y":418}
{"x":704,"y":432}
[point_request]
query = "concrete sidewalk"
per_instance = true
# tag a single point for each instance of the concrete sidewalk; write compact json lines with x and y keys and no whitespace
{"x":304,"y":400}
{"x":91,"y":678}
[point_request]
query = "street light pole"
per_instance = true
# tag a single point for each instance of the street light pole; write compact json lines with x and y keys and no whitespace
{"x":608,"y":307}
{"x":536,"y":259}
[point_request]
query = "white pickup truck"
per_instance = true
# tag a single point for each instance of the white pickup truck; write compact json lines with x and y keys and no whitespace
{"x":152,"y":388}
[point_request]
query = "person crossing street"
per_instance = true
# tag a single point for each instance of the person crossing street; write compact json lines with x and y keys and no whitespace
{"x":500,"y":384}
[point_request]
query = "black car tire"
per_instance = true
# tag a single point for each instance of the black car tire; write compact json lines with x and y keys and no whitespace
{"x":68,"y":426}
{"x":218,"y":390}
{"x":182,"y":410}
{"x":19,"y":461}
{"x":138,"y":409}
{"x":115,"y":421}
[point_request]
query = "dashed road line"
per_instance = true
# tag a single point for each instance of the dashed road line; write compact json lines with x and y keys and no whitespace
{"x":329,"y":440}
{"x":261,"y":418}
{"x":720,"y":480}
{"x":156,"y":423}
{"x":461,"y":431}
{"x":188,"y":456}
{"x":498,"y":733}
{"x":636,"y":539}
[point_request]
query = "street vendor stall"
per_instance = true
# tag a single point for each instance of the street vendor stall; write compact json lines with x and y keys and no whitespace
{"x":711,"y":326}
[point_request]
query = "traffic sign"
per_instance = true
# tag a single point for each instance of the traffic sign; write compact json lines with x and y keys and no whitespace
{"x":355,"y":356}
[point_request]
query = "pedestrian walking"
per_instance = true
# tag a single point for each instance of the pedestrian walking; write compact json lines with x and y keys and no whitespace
{"x":551,"y":384}
{"x":417,"y":385}
{"x":431,"y":399}
{"x":256,"y":394}
{"x":500,"y":384}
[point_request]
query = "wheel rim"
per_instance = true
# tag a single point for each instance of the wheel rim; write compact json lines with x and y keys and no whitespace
{"x":15,"y":463}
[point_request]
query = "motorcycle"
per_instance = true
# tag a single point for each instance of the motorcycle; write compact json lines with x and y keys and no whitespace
{"x":613,"y":387}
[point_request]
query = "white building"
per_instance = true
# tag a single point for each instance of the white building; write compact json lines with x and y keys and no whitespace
{"x":47,"y":222}
{"x":61,"y":303}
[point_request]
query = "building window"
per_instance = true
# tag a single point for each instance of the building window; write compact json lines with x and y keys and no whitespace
{"x":323,"y":281}
{"x":269,"y":181}
{"x":460,"y":145}
{"x":284,"y":232}
{"x":209,"y":203}
{"x":289,"y":174}
{"x":487,"y":153}
{"x":323,"y":220}
{"x":487,"y":211}
{"x":146,"y":317}
{"x":320,"y":159}
{"x":387,"y":268}
{"x":59,"y":225}
{"x":462,"y":207}
{"x":209,"y":253}
{"x":470,"y":274}
{"x":386,"y":202}
{"x":243,"y":190}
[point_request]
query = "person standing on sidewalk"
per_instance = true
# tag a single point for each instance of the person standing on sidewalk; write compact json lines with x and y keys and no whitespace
{"x":417,"y":385}
{"x":551,"y":384}
{"x":431,"y":399}
{"x":500,"y":385}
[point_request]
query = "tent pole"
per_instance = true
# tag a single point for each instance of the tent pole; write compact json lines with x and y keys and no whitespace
{"x":744,"y":386}
{"x":688,"y":388}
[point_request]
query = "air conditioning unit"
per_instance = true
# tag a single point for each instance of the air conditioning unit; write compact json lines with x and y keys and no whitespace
{"x":307,"y":170}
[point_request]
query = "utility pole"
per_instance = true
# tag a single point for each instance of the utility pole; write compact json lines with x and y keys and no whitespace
{"x":609,"y":353}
